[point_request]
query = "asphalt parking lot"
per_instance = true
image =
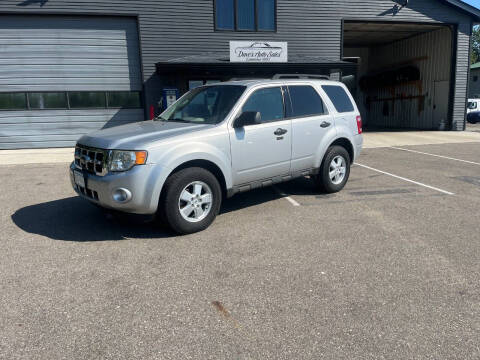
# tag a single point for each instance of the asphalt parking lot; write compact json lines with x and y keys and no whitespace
{"x":386,"y":269}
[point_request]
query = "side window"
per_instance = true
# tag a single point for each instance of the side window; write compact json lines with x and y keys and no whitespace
{"x":472,"y":105}
{"x":268,"y":102}
{"x":339,"y":98}
{"x":305,"y":101}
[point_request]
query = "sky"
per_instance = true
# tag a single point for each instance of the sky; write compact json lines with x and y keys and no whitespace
{"x":475,"y":3}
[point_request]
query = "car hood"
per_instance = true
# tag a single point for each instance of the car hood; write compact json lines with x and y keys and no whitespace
{"x":136,"y":136}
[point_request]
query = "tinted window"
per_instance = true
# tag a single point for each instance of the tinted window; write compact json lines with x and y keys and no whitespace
{"x":224,"y":12}
{"x":47,"y":100}
{"x":305,"y":101}
{"x":339,"y":98}
{"x":13,"y":101}
{"x":249,"y":15}
{"x":266,"y":14}
{"x":472,"y":105}
{"x":246,"y":14}
{"x":206,"y":104}
{"x":124,"y":99}
{"x":268,"y":102}
{"x":80,"y":100}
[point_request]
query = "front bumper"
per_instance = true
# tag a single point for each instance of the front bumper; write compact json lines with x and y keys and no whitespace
{"x":100,"y":189}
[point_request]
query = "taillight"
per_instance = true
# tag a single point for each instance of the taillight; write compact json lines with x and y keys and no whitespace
{"x":359,"y":124}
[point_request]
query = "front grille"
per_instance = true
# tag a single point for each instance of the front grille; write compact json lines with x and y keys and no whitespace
{"x":91,"y":160}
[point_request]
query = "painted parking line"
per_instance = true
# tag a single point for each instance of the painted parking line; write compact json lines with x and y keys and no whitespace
{"x":439,"y":156}
{"x":285,"y":196}
{"x":405,"y":179}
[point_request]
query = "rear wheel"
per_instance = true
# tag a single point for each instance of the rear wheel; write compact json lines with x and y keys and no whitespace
{"x":190,"y":201}
{"x":334,"y":171}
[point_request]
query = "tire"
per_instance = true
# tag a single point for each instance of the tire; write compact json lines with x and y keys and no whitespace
{"x":199,"y":211}
{"x":323,"y":180}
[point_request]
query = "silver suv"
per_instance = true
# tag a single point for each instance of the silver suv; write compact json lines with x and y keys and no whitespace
{"x":219,"y":140}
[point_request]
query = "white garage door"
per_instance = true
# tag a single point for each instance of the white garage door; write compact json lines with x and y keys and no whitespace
{"x":63,"y":76}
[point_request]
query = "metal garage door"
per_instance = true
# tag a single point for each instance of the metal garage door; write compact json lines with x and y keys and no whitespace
{"x":63,"y":76}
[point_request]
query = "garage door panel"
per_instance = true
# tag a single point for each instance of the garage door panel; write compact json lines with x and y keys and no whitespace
{"x":67,"y":61}
{"x":59,"y":116}
{"x":40,"y":71}
{"x":66,"y":53}
{"x":60,"y":128}
{"x":83,"y":46}
{"x":67,"y":128}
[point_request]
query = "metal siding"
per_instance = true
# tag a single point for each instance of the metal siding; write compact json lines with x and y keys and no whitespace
{"x":172,"y":29}
{"x":435,"y":45}
{"x":68,"y":53}
{"x":57,"y":128}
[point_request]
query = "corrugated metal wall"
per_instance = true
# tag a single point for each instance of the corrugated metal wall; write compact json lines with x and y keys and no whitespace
{"x":432,"y":52}
{"x":171,"y":29}
{"x":52,"y":53}
{"x":68,"y":53}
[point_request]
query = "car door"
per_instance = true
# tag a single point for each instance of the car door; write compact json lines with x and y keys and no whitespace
{"x":310,"y":122}
{"x":262,"y":151}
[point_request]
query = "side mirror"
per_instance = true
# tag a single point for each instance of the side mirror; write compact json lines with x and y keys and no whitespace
{"x":247,"y":118}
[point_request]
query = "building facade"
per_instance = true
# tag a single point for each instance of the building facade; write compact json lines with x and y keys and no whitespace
{"x":71,"y":66}
{"x":474,"y":85}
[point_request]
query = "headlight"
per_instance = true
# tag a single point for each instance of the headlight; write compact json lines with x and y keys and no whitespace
{"x":121,"y":160}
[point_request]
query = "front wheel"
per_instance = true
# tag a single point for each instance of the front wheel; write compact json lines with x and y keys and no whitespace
{"x":191,"y":200}
{"x":334,"y":171}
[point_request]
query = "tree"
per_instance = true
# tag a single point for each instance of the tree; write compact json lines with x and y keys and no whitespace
{"x":475,"y":53}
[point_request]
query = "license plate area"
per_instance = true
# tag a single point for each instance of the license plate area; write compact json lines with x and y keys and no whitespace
{"x":78,"y":178}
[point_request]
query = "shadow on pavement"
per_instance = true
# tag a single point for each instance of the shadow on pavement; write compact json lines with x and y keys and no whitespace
{"x":74,"y":219}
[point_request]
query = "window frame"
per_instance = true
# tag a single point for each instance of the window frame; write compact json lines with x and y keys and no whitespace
{"x":235,"y":24}
{"x":326,"y":111}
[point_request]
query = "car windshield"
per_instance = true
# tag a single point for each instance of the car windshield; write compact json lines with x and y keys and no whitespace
{"x":204,"y":105}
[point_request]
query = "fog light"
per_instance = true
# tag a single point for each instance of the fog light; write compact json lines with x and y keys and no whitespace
{"x":122,"y":195}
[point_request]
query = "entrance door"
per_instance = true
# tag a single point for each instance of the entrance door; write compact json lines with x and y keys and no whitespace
{"x":262,"y":151}
{"x":440,"y":104}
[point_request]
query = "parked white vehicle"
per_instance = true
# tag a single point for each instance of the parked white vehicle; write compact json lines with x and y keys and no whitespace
{"x":473,"y":105}
{"x":218,"y":140}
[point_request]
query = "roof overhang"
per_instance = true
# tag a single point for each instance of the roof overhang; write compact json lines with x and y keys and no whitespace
{"x":213,"y":64}
{"x":469,"y":9}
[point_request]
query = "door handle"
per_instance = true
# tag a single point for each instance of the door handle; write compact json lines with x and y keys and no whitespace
{"x":325,"y":124}
{"x":280,"y":131}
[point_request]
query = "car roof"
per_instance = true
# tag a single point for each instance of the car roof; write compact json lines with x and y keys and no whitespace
{"x":255,"y":82}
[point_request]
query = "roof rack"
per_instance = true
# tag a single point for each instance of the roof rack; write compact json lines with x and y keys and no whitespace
{"x":300,"y":76}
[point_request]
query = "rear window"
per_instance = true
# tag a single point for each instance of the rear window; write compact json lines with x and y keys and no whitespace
{"x":305,"y":101}
{"x":339,"y":98}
